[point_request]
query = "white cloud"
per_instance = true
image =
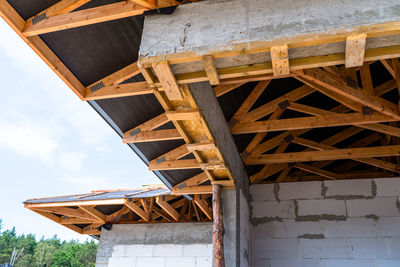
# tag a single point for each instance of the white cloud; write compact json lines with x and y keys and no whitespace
{"x":28,"y":138}
{"x":73,"y":160}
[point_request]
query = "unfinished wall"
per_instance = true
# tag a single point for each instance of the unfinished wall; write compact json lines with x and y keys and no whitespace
{"x":326,"y":224}
{"x":159,"y":244}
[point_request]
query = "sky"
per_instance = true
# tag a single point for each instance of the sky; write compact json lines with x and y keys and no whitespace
{"x":52,"y":143}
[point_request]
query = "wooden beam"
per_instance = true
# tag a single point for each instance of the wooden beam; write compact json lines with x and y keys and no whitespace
{"x":94,"y":212}
{"x":160,"y":200}
{"x":174,"y":165}
{"x":182,"y":115}
{"x":119,"y":90}
{"x":189,"y":190}
{"x":346,"y":153}
{"x":78,"y":213}
{"x":193,"y":181}
{"x":211,"y":71}
{"x":396,"y":71}
{"x":200,"y":146}
{"x":148,"y":125}
{"x":355,"y":50}
{"x":85,"y":17}
{"x":201,"y":202}
{"x":366,"y":79}
{"x":218,"y":227}
{"x":350,"y":91}
{"x":62,"y":7}
{"x":136,"y":209}
{"x":153,"y":136}
{"x":174,"y":154}
{"x":249,"y":102}
{"x":308,"y":123}
{"x":280,"y":60}
{"x":168,"y":80}
{"x":148,"y":4}
{"x":321,"y":172}
{"x":17,"y":23}
{"x":225,"y":88}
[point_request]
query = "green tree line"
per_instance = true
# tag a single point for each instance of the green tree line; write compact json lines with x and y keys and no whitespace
{"x":51,"y":252}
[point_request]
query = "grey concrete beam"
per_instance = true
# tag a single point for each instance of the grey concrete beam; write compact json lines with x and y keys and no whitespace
{"x":210,"y":109}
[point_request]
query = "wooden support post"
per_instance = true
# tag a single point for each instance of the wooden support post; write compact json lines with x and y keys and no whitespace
{"x":280,"y":60}
{"x":355,"y":49}
{"x":218,"y":231}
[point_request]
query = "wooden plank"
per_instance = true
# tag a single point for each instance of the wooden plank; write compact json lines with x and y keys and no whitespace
{"x":167,"y":80}
{"x":350,"y":91}
{"x":174,"y":165}
{"x":85,"y":17}
{"x":136,"y":209}
{"x":62,"y":7}
{"x":355,"y":50}
{"x":366,"y":79}
{"x":148,"y":4}
{"x":17,"y":23}
{"x":78,"y":213}
{"x":69,"y":220}
{"x":346,"y":153}
{"x":94,"y":212}
{"x":189,"y":190}
{"x":321,"y":172}
{"x":174,"y":154}
{"x":249,"y":102}
{"x":202,"y":204}
{"x":201,"y":146}
{"x":182,"y":115}
{"x":211,"y":71}
{"x":222,"y":89}
{"x":149,"y":125}
{"x":120,"y":90}
{"x":308,"y":123}
{"x":280,"y":60}
{"x":152,"y":136}
{"x":193,"y":181}
{"x":160,"y":200}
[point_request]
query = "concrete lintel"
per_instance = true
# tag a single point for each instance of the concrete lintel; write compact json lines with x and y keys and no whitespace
{"x":210,"y":109}
{"x":207,"y":26}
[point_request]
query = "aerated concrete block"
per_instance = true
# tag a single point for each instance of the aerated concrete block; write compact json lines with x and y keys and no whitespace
{"x":203,"y":261}
{"x":180,"y":262}
{"x":262,"y":263}
{"x":369,"y":248}
{"x":167,"y":250}
{"x":326,"y":248}
{"x":262,"y":192}
{"x":352,"y":227}
{"x":288,"y":228}
{"x":387,"y":187}
{"x":269,"y":248}
{"x":149,"y":261}
{"x":387,"y":263}
{"x":282,"y":209}
{"x":378,"y":206}
{"x":296,"y":263}
{"x":349,"y":188}
{"x":319,"y":207}
{"x":198,"y":250}
{"x":138,"y":250}
{"x":388,"y":227}
{"x":301,"y":190}
{"x":393,"y":245}
{"x":348,"y":263}
{"x":123,"y":261}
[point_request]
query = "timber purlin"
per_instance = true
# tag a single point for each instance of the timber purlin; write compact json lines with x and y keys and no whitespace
{"x":277,"y":109}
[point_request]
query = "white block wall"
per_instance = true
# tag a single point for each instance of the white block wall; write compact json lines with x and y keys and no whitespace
{"x":160,"y":245}
{"x":326,"y":224}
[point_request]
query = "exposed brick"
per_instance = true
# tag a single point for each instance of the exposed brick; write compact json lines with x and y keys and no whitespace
{"x":148,"y":261}
{"x":387,"y":187}
{"x":168,"y":250}
{"x":352,"y":227}
{"x":388,"y":227}
{"x":122,"y":261}
{"x":195,"y":250}
{"x":348,"y":263}
{"x":349,"y":188}
{"x":319,"y":207}
{"x":282,"y":209}
{"x":203,"y":262}
{"x":262,"y":192}
{"x":326,"y":248}
{"x":180,"y":262}
{"x":301,"y":190}
{"x":378,"y":206}
{"x":269,"y":248}
{"x":369,"y":248}
{"x":138,"y":250}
